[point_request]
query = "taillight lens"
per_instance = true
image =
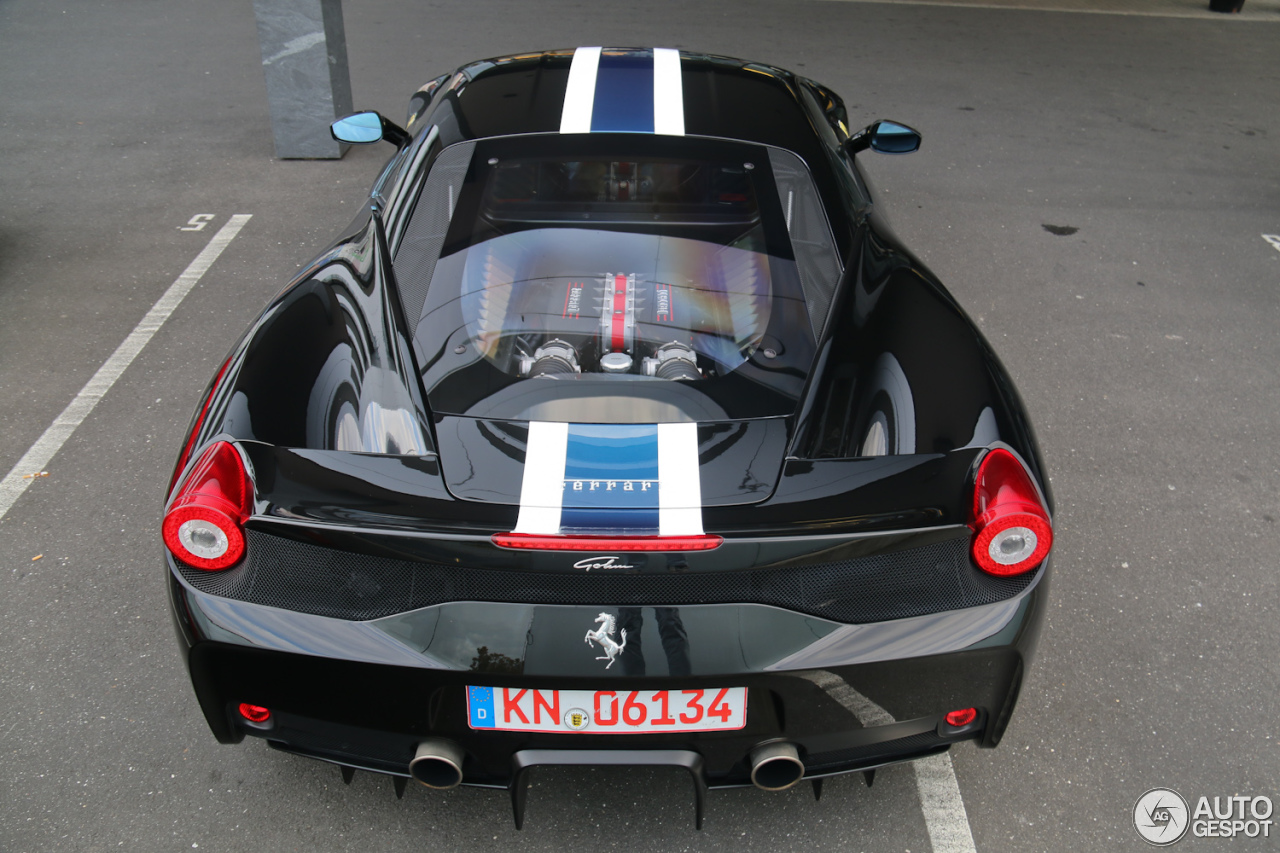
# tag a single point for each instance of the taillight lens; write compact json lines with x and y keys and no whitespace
{"x":204,"y":526}
{"x":958,"y":719}
{"x":195,"y":427}
{"x":1011,"y":531}
{"x":537,"y":542}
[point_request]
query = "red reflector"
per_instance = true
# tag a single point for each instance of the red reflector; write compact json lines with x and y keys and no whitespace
{"x":538,"y":542}
{"x":254,"y":713}
{"x":1010,"y":524}
{"x":204,"y":526}
{"x":957,"y":718}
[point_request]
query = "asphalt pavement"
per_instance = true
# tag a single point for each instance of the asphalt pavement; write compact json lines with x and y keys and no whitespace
{"x":1094,"y":189}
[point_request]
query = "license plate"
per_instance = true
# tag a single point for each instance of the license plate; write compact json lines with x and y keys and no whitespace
{"x":607,"y":711}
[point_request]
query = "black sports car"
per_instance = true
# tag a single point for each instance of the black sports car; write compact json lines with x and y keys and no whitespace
{"x":759,"y":501}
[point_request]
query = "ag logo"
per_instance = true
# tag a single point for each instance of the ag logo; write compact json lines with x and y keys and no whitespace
{"x":1161,"y":816}
{"x":589,"y":563}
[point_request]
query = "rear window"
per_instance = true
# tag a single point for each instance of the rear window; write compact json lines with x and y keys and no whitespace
{"x":608,"y":278}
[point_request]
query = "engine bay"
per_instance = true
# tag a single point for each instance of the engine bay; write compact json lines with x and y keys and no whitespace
{"x":630,"y":322}
{"x":616,"y":324}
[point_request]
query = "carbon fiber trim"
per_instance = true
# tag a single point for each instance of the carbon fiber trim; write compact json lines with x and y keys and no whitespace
{"x":292,"y":575}
{"x":824,"y":762}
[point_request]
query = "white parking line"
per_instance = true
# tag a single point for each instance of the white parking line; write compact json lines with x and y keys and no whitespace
{"x":944,"y":816}
{"x":1273,"y":239}
{"x":39,"y":454}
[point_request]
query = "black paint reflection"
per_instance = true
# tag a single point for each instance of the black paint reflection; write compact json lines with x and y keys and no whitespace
{"x":327,"y":366}
{"x":513,"y":639}
{"x":675,"y":640}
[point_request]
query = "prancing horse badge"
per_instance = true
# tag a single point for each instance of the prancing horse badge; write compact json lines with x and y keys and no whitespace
{"x":604,"y":636}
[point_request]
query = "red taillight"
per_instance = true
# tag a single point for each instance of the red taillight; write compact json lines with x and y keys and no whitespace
{"x":536,"y":542}
{"x":195,"y":427}
{"x":204,"y":526}
{"x":1011,"y":532}
{"x":956,"y":718}
{"x":254,"y":713}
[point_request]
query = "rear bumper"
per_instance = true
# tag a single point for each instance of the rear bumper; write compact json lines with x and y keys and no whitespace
{"x":351,"y":693}
{"x":373,"y":717}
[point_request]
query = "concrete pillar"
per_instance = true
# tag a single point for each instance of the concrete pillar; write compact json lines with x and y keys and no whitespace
{"x":304,"y":57}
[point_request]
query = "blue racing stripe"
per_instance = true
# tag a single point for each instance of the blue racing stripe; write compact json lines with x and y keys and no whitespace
{"x":613,"y":522}
{"x":611,"y":479}
{"x":624,"y":93}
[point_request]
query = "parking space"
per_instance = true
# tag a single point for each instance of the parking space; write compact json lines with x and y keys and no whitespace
{"x":1093,"y":188}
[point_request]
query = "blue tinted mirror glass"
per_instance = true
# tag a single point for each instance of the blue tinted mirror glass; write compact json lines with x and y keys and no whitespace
{"x":358,"y":129}
{"x":893,"y":138}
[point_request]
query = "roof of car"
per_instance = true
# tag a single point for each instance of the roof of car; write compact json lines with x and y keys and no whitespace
{"x":633,"y":89}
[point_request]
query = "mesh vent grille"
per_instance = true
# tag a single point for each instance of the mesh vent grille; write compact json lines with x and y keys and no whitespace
{"x":309,"y":578}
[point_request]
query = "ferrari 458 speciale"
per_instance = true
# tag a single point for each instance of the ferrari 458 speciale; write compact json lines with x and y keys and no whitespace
{"x":617,"y":429}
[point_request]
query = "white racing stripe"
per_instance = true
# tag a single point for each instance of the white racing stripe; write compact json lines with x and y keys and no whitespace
{"x":668,"y":92}
{"x":679,"y":484}
{"x":580,"y":92}
{"x":944,"y":815}
{"x":542,"y":489}
{"x":40,"y":453}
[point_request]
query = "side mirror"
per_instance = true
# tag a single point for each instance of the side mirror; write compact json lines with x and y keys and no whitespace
{"x":366,"y":127}
{"x":886,"y":137}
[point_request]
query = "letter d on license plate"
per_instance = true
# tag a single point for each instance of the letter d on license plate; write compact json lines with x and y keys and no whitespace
{"x":526,"y":709}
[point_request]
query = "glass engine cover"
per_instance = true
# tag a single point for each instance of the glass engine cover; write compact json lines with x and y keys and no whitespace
{"x":588,"y":286}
